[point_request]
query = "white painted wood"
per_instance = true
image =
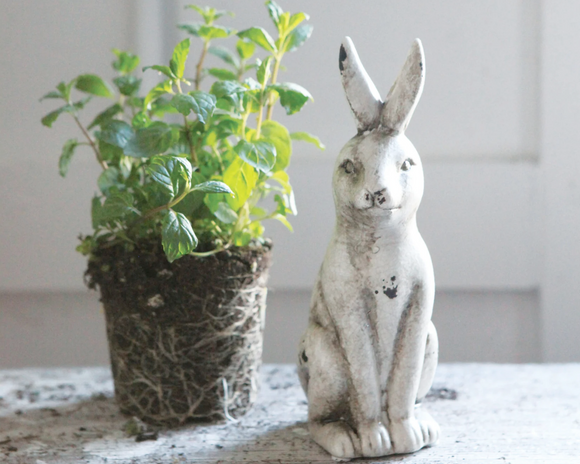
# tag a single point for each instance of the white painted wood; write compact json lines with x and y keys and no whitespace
{"x":519,"y":414}
{"x":561,"y":174}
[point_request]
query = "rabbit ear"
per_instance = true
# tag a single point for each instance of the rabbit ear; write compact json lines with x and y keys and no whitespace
{"x":406,"y":91}
{"x":362,"y":95}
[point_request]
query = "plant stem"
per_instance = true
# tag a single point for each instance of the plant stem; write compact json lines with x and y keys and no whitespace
{"x":259,"y":123}
{"x":190,"y":142}
{"x":212,"y":252}
{"x":244,"y":122}
{"x":199,"y":66}
{"x":187,"y":133}
{"x":101,"y":161}
{"x":274,"y":77}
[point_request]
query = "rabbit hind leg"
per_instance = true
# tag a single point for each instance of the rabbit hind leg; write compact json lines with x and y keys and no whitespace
{"x":429,"y":363}
{"x":324,"y":372}
{"x":430,"y":430}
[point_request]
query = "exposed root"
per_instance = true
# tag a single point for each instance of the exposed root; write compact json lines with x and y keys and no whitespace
{"x":197,"y":357}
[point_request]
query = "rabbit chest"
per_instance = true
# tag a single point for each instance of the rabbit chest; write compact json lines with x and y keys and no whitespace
{"x":372,"y":286}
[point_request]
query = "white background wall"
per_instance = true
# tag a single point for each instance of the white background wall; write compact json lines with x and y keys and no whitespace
{"x":495,"y":128}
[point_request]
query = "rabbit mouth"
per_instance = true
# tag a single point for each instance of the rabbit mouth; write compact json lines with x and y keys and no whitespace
{"x":382,"y":209}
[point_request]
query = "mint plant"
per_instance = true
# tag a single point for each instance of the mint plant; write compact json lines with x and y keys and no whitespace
{"x":183,"y":164}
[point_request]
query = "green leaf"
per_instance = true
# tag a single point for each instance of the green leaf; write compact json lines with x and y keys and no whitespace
{"x":214,"y":32}
{"x":213,"y":186}
{"x":65,"y":89}
{"x":160,"y":107}
{"x":241,"y":178}
{"x":281,"y":205}
{"x":284,"y":180}
{"x":51,"y":117}
{"x":80,"y":104}
{"x":278,"y":135}
{"x":199,"y":9}
{"x":226,"y":55}
{"x":117,"y":207}
{"x":261,"y":155}
{"x":295,"y":20}
{"x":127,"y":85}
{"x":191,"y":28}
{"x":275,"y":11}
{"x":284,"y":221}
{"x":177,"y":236}
{"x":67,"y":152}
{"x":110,"y":153}
{"x":297,"y":37}
{"x":201,"y":103}
{"x":258,"y":211}
{"x":263,"y":72}
{"x":165,"y":70}
{"x":209,"y":14}
{"x":160,"y":89}
{"x":292,"y":96}
{"x":106,"y":115}
{"x":225,"y":214}
{"x":223,"y":74}
{"x":306,"y":137}
{"x":242,"y":238}
{"x":228,"y":90}
{"x":170,"y":172}
{"x":117,"y":133}
{"x":286,"y":204}
{"x":108,"y":179}
{"x":126,"y":62}
{"x":253,"y":100}
{"x":180,"y":53}
{"x":156,"y":138}
{"x":90,"y":83}
{"x":140,"y":120}
{"x":245,"y":48}
{"x":260,"y":37}
{"x":52,"y":94}
{"x":96,"y":215}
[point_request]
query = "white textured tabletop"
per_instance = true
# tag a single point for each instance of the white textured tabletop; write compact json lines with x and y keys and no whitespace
{"x":488,"y":413}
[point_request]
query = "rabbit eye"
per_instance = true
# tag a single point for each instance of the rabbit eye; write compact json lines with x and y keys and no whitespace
{"x":407,"y":164}
{"x":348,"y":166}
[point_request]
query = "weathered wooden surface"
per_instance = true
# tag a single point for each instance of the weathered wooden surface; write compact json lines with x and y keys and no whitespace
{"x":502,"y":413}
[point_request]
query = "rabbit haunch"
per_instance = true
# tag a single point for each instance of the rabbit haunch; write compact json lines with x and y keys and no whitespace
{"x":369,"y":354}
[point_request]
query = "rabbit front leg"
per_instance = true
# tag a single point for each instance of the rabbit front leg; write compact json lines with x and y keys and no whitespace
{"x":354,"y":332}
{"x":410,"y":431}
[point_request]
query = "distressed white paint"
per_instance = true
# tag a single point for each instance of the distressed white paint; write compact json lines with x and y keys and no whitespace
{"x":370,"y":350}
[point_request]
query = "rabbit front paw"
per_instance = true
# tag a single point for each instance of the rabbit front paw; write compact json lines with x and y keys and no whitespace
{"x":410,"y":435}
{"x":335,"y":437}
{"x":374,"y":440}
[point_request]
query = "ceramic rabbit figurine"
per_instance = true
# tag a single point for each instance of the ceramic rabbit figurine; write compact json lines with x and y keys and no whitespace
{"x":370,"y":351}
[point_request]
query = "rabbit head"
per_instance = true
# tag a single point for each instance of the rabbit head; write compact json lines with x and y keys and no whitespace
{"x":378,"y":176}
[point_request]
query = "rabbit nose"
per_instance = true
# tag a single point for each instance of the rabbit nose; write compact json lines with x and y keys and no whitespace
{"x":379,"y":197}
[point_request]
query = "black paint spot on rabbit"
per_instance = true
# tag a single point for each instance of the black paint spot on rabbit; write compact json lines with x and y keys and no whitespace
{"x":376,"y":292}
{"x":393,"y":279}
{"x":341,"y":58}
{"x":304,"y":357}
{"x":391,"y":292}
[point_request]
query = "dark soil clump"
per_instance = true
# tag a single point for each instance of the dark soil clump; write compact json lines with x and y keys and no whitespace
{"x":185,"y":338}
